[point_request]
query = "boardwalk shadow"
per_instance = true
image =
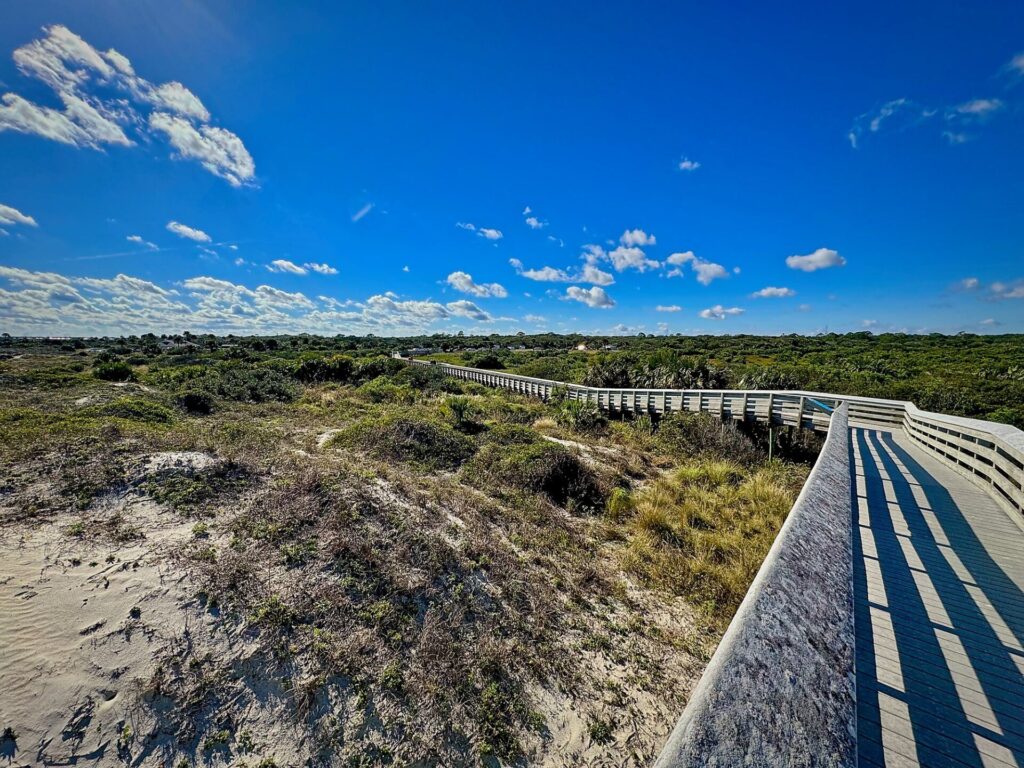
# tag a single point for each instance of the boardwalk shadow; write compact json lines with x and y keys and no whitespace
{"x":935,"y":681}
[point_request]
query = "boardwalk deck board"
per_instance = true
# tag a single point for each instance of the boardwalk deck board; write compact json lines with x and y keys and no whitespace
{"x":939,"y":599}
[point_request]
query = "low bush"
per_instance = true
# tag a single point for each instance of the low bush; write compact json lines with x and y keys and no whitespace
{"x":429,"y":444}
{"x":317,"y":370}
{"x":580,"y":416}
{"x":195,"y":400}
{"x":137,"y":409}
{"x":384,"y":390}
{"x":255,"y":385}
{"x":536,"y":466}
{"x":116,"y":371}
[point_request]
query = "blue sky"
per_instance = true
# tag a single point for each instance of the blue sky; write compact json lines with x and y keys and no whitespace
{"x":400,"y":168}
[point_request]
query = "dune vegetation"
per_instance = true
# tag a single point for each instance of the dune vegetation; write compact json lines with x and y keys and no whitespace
{"x":348,"y":560}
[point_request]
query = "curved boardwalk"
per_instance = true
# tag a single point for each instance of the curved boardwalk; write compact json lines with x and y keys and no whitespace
{"x":939,"y":612}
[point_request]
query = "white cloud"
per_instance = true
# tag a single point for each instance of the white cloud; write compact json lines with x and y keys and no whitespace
{"x":218,"y":150}
{"x":978,"y":107}
{"x":869,"y":324}
{"x":405,"y":268}
{"x":622,"y":258}
{"x":686,"y":164}
{"x":103,"y":100}
{"x":177,"y":98}
{"x":362,"y":212}
{"x":485,"y":232}
{"x":823,"y":258}
{"x":182,"y":230}
{"x":283,"y":265}
{"x":46,"y":303}
{"x":323,"y":269}
{"x":706,"y":271}
{"x":462,"y":281}
{"x":589,"y":274}
{"x":668,"y":308}
{"x":534,"y":223}
{"x":968,"y":284}
{"x":718,"y":312}
{"x":12,"y":216}
{"x":900,"y":113}
{"x":535,"y":319}
{"x":1015,"y":65}
{"x":773,"y":293}
{"x":594,"y":297}
{"x":633,"y":237}
{"x":138,"y":239}
{"x":1014,"y":290}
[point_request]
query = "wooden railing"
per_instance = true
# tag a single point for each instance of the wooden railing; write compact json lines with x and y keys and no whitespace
{"x":990,"y":454}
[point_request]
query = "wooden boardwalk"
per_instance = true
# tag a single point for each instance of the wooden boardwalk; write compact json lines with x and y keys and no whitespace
{"x":939,"y":611}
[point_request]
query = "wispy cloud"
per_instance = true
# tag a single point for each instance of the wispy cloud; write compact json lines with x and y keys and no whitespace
{"x":323,"y":269}
{"x":106,"y":103}
{"x":686,"y":164}
{"x":11,"y":216}
{"x":668,"y":308}
{"x":283,"y":265}
{"x":182,"y":230}
{"x":358,"y":215}
{"x":485,"y":232}
{"x":139,"y":239}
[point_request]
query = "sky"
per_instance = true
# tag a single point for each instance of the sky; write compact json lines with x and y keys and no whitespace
{"x":406,"y":168}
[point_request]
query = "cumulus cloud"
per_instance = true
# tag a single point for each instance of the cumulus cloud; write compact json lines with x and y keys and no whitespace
{"x":283,"y":265}
{"x":706,"y":271}
{"x":463,"y":281}
{"x":686,"y":164}
{"x":621,"y":258}
{"x":633,"y":237}
{"x":181,"y":230}
{"x":668,"y":308}
{"x":11,"y":216}
{"x":44,"y":303}
{"x":773,"y":293}
{"x":594,"y":297}
{"x":718,"y":312}
{"x":968,"y":284}
{"x":823,"y":258}
{"x":104,"y":100}
{"x":323,"y":269}
{"x":589,"y":274}
{"x":139,"y":239}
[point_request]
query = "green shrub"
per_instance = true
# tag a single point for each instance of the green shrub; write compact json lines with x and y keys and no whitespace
{"x":317,"y":370}
{"x":620,"y":504}
{"x":137,"y":409}
{"x":460,"y":410}
{"x":195,"y":400}
{"x":116,"y":371}
{"x":429,"y":444}
{"x":378,"y":366}
{"x":580,"y":416}
{"x":383,"y":390}
{"x":255,"y":385}
{"x":538,"y":466}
